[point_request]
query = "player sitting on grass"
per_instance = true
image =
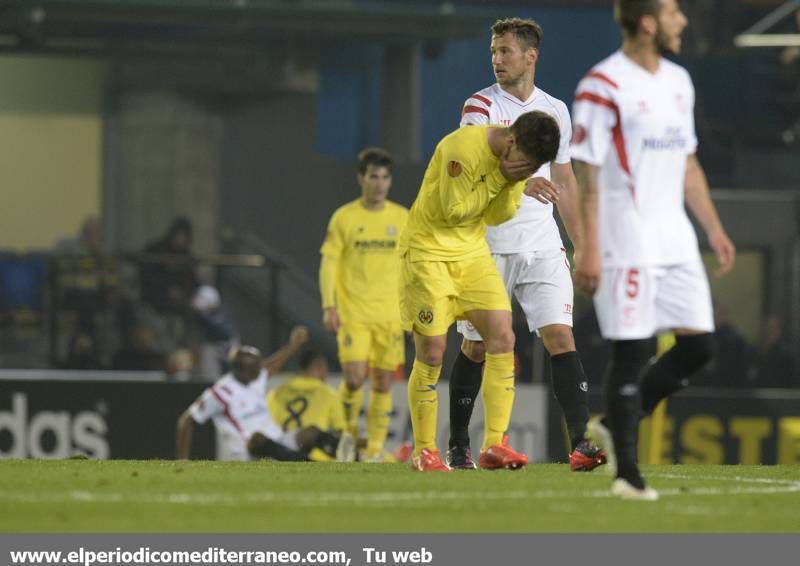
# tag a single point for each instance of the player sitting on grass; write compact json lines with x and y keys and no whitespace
{"x":306,"y":401}
{"x":245,"y":428}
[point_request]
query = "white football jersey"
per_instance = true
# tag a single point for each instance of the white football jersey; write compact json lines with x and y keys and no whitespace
{"x":238,"y":411}
{"x":533,"y":228}
{"x":638,"y":128}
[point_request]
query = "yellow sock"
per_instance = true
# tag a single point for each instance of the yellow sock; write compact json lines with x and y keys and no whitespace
{"x":379,"y":410}
{"x":423,"y":402}
{"x":498,"y":396}
{"x":352,"y":401}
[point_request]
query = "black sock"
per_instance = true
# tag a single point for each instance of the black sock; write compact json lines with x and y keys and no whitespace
{"x":671,"y":372}
{"x":570,"y":389}
{"x":628,"y":358}
{"x":327,"y":442}
{"x":264,"y":447}
{"x":465,"y":383}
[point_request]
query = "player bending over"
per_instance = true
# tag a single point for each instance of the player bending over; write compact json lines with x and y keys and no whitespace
{"x":476,"y":177}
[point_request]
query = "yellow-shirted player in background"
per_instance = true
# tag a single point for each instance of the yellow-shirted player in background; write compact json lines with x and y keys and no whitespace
{"x":358,"y":280}
{"x":474,"y":178}
{"x":305,"y":400}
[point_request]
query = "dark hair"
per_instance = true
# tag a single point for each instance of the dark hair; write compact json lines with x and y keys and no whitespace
{"x":529,"y":34}
{"x":374,"y":156}
{"x":628,"y":13}
{"x":179,"y":224}
{"x":537,"y":136}
{"x":308,"y":358}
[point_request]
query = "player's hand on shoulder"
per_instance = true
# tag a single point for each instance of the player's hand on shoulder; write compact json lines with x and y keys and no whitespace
{"x":587,"y":270}
{"x":542,"y":190}
{"x":298,"y":336}
{"x":516,"y":170}
{"x":724,"y":250}
{"x":330,"y":318}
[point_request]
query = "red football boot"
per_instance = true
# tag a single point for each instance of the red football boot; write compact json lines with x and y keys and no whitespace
{"x":499,"y":456}
{"x":428,"y":461}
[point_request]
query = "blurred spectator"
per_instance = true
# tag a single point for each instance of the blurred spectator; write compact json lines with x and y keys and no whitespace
{"x":82,"y":353}
{"x":215,"y":321}
{"x":180,"y":364}
{"x":732,"y":354}
{"x":168,"y":279}
{"x":217,"y":331}
{"x":140,"y":353}
{"x":88,"y":242}
{"x":87,"y":282}
{"x":168,"y":282}
{"x":773,"y":364}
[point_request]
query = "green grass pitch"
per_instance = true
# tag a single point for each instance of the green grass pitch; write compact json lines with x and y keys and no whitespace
{"x":174,"y":496}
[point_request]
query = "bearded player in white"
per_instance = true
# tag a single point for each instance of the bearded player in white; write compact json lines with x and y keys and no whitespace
{"x":634,"y":148}
{"x":528,"y":249}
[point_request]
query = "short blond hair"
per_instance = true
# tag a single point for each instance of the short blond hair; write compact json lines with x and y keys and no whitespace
{"x":529,"y":34}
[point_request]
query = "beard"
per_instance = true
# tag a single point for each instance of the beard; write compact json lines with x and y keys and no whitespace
{"x":509,"y":80}
{"x":663,"y":43}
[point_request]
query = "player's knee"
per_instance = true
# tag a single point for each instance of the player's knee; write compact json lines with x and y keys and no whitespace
{"x":430,"y":351}
{"x":354,"y":378}
{"x":383,"y":382}
{"x":501,"y":342}
{"x":475,"y":351}
{"x":694,"y":351}
{"x":558,"y":339}
{"x":256,"y":443}
{"x":432,"y":357}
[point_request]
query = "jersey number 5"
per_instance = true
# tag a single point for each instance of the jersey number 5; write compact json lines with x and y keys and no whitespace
{"x":632,"y":283}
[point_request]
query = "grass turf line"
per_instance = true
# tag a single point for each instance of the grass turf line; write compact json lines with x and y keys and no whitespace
{"x":171,"y":496}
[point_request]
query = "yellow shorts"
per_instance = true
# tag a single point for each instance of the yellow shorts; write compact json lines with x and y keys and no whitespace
{"x":434,"y":294}
{"x":381,"y":345}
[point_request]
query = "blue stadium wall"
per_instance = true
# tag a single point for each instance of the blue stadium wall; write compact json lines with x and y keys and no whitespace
{"x":349,"y":108}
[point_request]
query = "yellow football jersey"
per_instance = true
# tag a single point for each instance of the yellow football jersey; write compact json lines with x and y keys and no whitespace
{"x":306,"y":401}
{"x":462,"y":191}
{"x":364,"y":245}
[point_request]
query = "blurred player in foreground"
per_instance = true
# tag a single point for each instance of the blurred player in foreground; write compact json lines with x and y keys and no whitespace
{"x":476,"y":177}
{"x":245,"y":429}
{"x":634,"y":144}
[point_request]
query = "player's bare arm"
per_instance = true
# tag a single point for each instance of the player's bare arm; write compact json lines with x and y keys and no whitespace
{"x":184,"y":432}
{"x":327,"y":285}
{"x":587,"y":258}
{"x":698,"y":199}
{"x":275,"y":362}
{"x":564,"y":177}
{"x":330,"y":318}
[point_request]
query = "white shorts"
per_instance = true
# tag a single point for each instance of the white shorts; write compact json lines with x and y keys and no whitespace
{"x":542,"y":284}
{"x":636,"y":303}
